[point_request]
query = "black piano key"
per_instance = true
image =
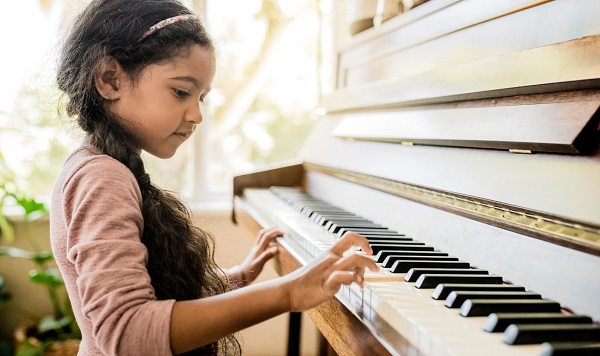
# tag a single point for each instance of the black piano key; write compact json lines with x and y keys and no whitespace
{"x":522,"y":334}
{"x":323,"y":209}
{"x":372,"y":231}
{"x":363,"y":231}
{"x":335,"y":228}
{"x":385,"y":234}
{"x":456,"y":298}
{"x":432,"y":280}
{"x":336,"y":224}
{"x":485,"y":307}
{"x":349,"y":222}
{"x":415,"y":273}
{"x":403,"y":266}
{"x":379,"y":247}
{"x":327,"y":222}
{"x":388,"y":237}
{"x":395,"y":242}
{"x":322,"y":220}
{"x":383,"y":254}
{"x":567,"y":348}
{"x":442,"y":291}
{"x":379,"y":241}
{"x":328,"y":212}
{"x":498,"y":322}
{"x":391,"y":259}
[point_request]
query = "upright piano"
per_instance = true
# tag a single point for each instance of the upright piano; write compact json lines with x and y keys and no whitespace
{"x":462,"y":139}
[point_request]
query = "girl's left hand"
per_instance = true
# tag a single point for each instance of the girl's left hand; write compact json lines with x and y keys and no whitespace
{"x":260,"y":253}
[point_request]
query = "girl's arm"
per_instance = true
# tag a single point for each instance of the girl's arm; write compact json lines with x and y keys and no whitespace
{"x":199,"y":322}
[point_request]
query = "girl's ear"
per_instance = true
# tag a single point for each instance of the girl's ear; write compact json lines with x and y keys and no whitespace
{"x":108,"y":78}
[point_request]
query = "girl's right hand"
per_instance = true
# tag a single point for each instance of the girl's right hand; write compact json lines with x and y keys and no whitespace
{"x":320,"y":280}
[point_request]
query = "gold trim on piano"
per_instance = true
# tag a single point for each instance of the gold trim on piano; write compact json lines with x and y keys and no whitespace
{"x":558,"y":230}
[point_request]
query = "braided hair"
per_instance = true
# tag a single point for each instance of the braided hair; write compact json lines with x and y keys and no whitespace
{"x":181,"y":256}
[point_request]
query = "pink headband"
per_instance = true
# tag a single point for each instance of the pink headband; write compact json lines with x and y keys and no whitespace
{"x":166,"y":22}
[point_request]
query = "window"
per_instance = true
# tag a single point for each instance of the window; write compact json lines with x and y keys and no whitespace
{"x":33,"y":141}
{"x":275,"y":60}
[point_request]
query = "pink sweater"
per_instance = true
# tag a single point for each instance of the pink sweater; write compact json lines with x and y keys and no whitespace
{"x":96,"y":225}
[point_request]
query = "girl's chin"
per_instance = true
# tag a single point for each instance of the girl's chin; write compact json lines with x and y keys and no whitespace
{"x":163,"y":154}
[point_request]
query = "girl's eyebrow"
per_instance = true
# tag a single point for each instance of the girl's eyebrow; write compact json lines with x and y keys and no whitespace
{"x":192,"y":80}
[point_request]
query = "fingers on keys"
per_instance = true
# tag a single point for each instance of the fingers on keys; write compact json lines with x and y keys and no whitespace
{"x":266,"y":236}
{"x":351,"y":267}
{"x":351,"y":240}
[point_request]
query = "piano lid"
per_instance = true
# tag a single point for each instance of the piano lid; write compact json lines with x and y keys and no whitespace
{"x":442,"y":67}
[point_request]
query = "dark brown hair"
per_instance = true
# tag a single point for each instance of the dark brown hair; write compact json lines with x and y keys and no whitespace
{"x":181,"y":256}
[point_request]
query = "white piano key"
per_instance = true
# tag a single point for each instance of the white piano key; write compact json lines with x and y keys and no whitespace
{"x":433,"y":328}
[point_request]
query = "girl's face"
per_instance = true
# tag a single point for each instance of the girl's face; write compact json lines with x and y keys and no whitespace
{"x":162,"y":108}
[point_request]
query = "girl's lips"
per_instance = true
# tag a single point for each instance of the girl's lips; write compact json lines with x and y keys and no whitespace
{"x":184,"y":135}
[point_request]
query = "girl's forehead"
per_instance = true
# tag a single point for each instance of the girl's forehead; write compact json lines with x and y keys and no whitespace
{"x":196,"y":62}
{"x":192,"y":56}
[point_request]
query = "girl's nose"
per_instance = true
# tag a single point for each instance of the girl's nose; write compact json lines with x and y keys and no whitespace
{"x":195,"y":114}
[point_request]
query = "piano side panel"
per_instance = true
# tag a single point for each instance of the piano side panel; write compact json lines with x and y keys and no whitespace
{"x":566,"y":186}
{"x":565,"y":275}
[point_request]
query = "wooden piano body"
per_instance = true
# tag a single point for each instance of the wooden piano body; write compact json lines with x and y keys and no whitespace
{"x":471,"y":126}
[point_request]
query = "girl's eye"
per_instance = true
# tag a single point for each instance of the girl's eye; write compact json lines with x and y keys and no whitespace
{"x":180,"y":93}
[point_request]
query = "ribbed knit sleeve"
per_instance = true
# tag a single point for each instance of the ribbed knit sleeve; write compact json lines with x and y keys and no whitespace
{"x":104,"y":262}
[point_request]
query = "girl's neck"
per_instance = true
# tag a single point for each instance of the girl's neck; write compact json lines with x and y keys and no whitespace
{"x":87,"y":141}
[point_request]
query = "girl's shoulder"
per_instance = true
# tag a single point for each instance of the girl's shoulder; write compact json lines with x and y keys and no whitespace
{"x":90,"y":157}
{"x":88,"y":166}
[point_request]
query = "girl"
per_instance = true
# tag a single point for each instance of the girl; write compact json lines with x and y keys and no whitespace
{"x":141,"y":278}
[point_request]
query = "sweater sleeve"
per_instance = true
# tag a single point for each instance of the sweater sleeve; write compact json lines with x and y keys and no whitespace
{"x":104,"y":224}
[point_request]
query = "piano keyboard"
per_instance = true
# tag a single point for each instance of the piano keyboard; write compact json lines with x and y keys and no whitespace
{"x":438,"y":303}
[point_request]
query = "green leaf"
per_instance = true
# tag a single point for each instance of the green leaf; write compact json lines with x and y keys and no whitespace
{"x":42,"y":256}
{"x":50,"y":277}
{"x":50,"y":323}
{"x":32,"y":207}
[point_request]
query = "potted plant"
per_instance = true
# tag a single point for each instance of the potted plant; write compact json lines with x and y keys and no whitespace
{"x":48,"y":333}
